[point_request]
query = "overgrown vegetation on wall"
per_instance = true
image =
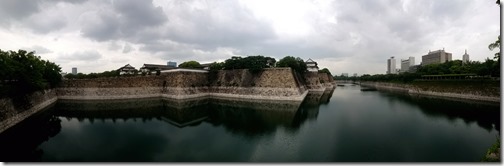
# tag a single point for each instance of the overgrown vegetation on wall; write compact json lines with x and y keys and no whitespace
{"x":112,"y":73}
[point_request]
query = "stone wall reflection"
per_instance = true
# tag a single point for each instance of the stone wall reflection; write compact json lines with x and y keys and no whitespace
{"x":485,"y":114}
{"x":20,"y":143}
{"x":248,"y":117}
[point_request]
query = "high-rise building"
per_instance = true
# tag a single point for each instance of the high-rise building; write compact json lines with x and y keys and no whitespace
{"x":74,"y":70}
{"x":439,"y":56}
{"x":391,"y":68}
{"x":172,"y":64}
{"x":465,"y":57}
{"x":406,"y":64}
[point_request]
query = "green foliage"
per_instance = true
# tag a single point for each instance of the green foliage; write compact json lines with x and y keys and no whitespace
{"x":297,"y":64}
{"x":495,"y":150}
{"x":254,"y":63}
{"x":22,"y":73}
{"x":112,"y":73}
{"x":487,"y":68}
{"x":402,"y":77}
{"x":216,"y":66}
{"x":325,"y":70}
{"x":190,"y":64}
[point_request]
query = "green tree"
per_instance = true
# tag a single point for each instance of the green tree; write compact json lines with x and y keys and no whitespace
{"x":325,"y":70}
{"x":297,"y":64}
{"x":216,"y":66}
{"x":22,"y":73}
{"x":253,"y":63}
{"x":190,"y":64}
{"x":495,"y":45}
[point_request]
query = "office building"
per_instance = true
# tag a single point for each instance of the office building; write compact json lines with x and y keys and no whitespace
{"x":434,"y":57}
{"x":391,"y":67}
{"x":74,"y":70}
{"x":465,"y":57}
{"x":406,"y":64}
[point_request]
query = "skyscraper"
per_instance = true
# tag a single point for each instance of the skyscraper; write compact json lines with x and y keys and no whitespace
{"x":465,"y":57}
{"x":391,"y":68}
{"x":74,"y":70}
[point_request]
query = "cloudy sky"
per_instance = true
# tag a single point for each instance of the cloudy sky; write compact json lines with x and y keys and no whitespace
{"x":343,"y":36}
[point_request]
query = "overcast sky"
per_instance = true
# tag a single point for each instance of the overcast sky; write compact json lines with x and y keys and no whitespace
{"x":344,"y":36}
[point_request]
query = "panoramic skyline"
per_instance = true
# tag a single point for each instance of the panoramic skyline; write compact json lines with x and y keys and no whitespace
{"x":343,"y":36}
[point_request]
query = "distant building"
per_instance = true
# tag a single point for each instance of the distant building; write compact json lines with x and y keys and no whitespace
{"x":153,"y":67}
{"x":172,"y":64}
{"x":439,"y":56}
{"x":406,"y":64}
{"x":127,"y":69}
{"x":344,"y":74}
{"x":355,"y":74}
{"x":391,"y":67}
{"x":74,"y":70}
{"x":311,"y":65}
{"x":465,"y":57}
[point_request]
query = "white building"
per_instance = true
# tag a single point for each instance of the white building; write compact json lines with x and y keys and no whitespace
{"x":465,"y":57}
{"x":407,"y":63}
{"x":391,"y":67}
{"x":311,"y":65}
{"x":127,"y":69}
{"x":439,"y":56}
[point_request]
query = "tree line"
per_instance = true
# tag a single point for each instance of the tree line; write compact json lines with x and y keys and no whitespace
{"x":22,"y":73}
{"x":489,"y":68}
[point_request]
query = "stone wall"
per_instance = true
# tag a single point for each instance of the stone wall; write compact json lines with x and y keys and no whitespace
{"x":274,"y":84}
{"x":461,"y":92}
{"x":13,"y":112}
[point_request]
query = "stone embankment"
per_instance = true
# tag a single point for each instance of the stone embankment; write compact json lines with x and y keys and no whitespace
{"x":271,"y":84}
{"x":275,"y":84}
{"x":13,"y":112}
{"x":461,"y":91}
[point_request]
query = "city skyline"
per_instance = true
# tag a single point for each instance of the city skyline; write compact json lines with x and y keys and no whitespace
{"x":97,"y":36}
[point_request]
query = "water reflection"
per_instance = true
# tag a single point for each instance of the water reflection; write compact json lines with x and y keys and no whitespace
{"x":309,"y":109}
{"x":485,"y":114}
{"x":20,"y":143}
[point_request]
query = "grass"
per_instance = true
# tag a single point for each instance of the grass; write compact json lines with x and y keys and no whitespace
{"x":493,"y":153}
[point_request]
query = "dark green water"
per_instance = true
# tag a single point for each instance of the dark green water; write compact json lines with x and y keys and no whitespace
{"x":346,"y":125}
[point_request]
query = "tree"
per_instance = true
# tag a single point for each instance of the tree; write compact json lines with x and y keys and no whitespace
{"x":297,"y":64}
{"x":325,"y":70}
{"x":216,"y":66}
{"x":190,"y":64}
{"x":253,"y":63}
{"x":495,"y":45}
{"x":22,"y":73}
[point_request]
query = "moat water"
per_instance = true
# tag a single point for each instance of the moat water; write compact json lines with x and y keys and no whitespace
{"x":344,"y":125}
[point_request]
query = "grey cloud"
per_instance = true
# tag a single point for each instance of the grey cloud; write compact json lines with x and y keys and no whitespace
{"x":38,"y":49}
{"x":17,"y":9}
{"x":122,"y":19}
{"x":127,"y":48}
{"x":89,"y":55}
